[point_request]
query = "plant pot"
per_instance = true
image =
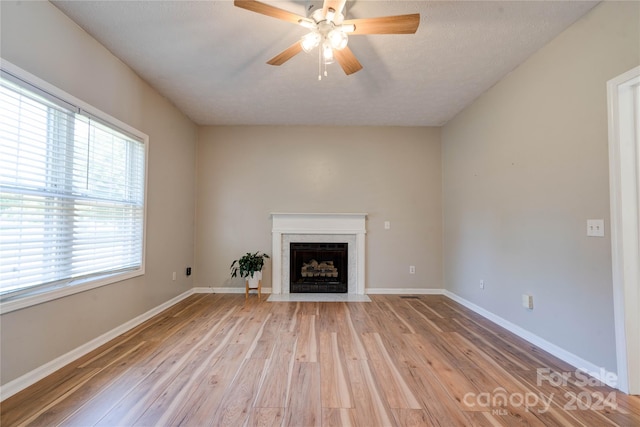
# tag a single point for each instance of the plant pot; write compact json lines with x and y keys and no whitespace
{"x":253,"y":281}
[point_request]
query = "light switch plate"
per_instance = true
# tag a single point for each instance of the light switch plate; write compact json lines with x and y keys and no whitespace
{"x":595,"y":227}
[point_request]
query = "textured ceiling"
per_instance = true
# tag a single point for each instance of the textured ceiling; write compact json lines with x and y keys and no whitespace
{"x":209,"y":58}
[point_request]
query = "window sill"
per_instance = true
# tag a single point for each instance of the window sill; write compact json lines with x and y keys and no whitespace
{"x":8,"y":304}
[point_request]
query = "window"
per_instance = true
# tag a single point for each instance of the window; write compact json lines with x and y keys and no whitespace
{"x":72,"y":193}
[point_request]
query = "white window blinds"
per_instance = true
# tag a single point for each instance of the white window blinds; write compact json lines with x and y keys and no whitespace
{"x":71,"y":192}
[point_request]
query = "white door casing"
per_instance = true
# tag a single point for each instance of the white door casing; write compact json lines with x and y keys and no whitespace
{"x":624,"y":180}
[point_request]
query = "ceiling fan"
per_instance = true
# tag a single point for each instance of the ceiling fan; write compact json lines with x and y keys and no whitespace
{"x":329,"y":31}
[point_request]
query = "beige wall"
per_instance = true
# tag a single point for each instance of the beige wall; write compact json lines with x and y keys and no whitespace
{"x":524,"y":167}
{"x":393,"y":174}
{"x":38,"y":38}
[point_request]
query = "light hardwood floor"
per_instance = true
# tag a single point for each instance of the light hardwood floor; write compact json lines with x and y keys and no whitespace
{"x":222,"y":360}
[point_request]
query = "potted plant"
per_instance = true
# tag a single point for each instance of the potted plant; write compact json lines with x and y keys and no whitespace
{"x":249,"y":266}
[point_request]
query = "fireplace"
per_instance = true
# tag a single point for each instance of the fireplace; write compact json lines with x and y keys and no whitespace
{"x":318,"y":267}
{"x":290,"y":228}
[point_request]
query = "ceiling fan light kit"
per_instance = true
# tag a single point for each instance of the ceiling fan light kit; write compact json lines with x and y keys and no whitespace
{"x":329,"y":31}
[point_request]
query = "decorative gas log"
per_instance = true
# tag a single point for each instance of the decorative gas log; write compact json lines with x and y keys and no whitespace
{"x":319,"y":269}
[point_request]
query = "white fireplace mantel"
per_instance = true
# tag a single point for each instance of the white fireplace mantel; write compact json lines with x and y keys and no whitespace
{"x":289,"y":227}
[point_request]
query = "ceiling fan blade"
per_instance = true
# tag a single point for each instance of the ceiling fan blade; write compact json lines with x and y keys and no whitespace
{"x":286,"y":54}
{"x":347,"y":60}
{"x":336,"y":5}
{"x":265,"y":9}
{"x":399,"y":24}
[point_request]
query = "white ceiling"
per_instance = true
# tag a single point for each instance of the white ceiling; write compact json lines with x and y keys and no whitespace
{"x":209,"y":58}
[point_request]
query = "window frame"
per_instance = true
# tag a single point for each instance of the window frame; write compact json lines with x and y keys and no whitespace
{"x":44,"y":293}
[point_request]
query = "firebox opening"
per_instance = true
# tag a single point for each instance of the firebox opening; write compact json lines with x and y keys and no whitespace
{"x":318,"y":267}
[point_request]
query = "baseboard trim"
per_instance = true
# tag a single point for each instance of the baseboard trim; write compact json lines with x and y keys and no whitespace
{"x":577,"y":362}
{"x":203,"y":290}
{"x":403,"y":291}
{"x":12,"y":387}
{"x":228,"y":290}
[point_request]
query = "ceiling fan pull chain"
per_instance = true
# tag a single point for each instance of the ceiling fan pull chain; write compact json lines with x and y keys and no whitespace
{"x":319,"y":64}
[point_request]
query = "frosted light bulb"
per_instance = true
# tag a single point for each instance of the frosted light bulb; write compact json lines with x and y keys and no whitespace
{"x":310,"y":40}
{"x":338,"y":39}
{"x":327,"y":53}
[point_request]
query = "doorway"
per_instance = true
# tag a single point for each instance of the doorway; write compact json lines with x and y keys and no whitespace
{"x":624,"y":175}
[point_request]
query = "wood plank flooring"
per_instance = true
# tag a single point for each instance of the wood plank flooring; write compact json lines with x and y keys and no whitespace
{"x":221,"y":360}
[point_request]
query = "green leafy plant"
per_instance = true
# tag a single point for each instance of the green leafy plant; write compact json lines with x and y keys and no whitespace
{"x":248,"y":264}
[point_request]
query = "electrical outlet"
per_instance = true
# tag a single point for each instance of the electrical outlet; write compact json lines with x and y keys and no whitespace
{"x":188,"y":271}
{"x":595,"y":227}
{"x":412,"y":269}
{"x":527,"y":301}
{"x":174,"y":275}
{"x":481,"y":284}
{"x":387,"y":225}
